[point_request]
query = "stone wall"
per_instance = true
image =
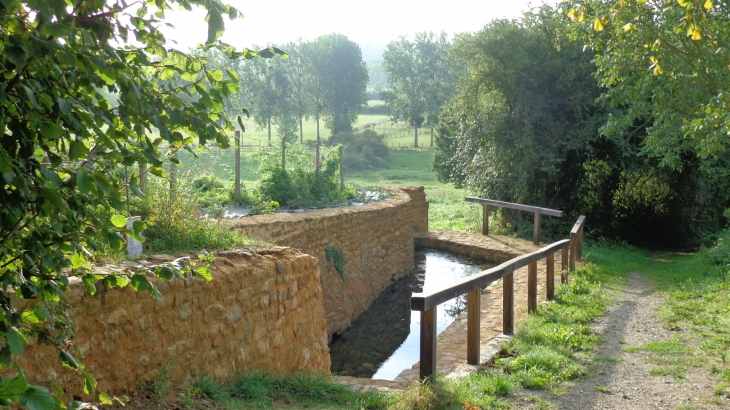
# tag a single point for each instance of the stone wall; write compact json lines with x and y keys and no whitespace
{"x":376,"y":240}
{"x":419,"y":208}
{"x":262,"y":311}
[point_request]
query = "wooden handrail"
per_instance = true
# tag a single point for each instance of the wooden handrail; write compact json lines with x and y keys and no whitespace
{"x":521,"y":207}
{"x":486,"y":203}
{"x":427,"y":302}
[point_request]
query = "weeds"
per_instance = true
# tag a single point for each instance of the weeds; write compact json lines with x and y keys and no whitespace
{"x":173,"y":224}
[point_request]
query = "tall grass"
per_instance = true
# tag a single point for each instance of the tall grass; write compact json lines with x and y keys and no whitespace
{"x":174,"y":223}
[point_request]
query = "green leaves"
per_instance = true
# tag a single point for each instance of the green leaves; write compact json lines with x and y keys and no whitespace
{"x":119,"y":221}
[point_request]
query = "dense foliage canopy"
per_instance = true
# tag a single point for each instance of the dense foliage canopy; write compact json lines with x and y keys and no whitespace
{"x":531,"y":124}
{"x":64,"y":148}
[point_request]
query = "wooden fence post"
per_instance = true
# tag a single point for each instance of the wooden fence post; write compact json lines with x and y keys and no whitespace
{"x":550,"y":278}
{"x":564,"y":265}
{"x":536,"y":230}
{"x":580,"y":244}
{"x":508,"y":306}
{"x":485,"y":219}
{"x":473,"y":330}
{"x":238,"y":165}
{"x":532,"y":287}
{"x":428,"y":343}
{"x":573,"y":250}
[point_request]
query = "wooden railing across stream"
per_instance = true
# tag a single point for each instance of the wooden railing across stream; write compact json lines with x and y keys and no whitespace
{"x":486,"y":203}
{"x":427,"y":302}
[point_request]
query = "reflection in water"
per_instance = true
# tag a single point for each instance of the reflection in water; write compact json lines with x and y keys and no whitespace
{"x":384,"y":339}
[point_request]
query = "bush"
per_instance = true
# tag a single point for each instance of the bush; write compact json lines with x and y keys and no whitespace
{"x":299,"y":185}
{"x":363,"y":151}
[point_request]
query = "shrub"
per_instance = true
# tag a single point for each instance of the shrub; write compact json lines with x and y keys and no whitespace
{"x":299,"y":184}
{"x":363,"y":151}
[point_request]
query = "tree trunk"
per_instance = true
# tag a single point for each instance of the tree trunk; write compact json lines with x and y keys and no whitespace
{"x":301,"y":133}
{"x":269,"y":126}
{"x":415,"y":143}
{"x":283,"y":154}
{"x":431,"y":137}
{"x":316,"y":160}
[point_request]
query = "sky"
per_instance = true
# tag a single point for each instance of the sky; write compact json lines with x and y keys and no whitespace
{"x":368,"y":22}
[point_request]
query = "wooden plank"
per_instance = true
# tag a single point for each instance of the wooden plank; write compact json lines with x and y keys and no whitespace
{"x":485,"y":219}
{"x":508,"y":306}
{"x":510,"y":205}
{"x":564,"y":265}
{"x":428,"y":343}
{"x":532,"y":287}
{"x":427,"y":300}
{"x":536,"y":229}
{"x":550,"y":277}
{"x":473,"y":330}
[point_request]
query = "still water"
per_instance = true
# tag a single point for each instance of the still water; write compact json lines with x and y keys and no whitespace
{"x":385,"y":339}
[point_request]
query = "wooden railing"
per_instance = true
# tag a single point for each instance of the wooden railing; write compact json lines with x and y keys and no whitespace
{"x":537,"y":210}
{"x":576,"y":241}
{"x":427,"y":302}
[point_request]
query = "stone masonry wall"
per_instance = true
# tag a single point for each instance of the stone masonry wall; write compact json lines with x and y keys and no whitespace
{"x":419,"y":208}
{"x":376,"y":240}
{"x":262,"y":311}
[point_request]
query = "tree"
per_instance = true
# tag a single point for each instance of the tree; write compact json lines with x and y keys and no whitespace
{"x":667,"y":62}
{"x":63,"y":146}
{"x":296,"y":71}
{"x":523,"y":113}
{"x":421,"y":79}
{"x":404,"y":69}
{"x":262,"y":90}
{"x":343,"y":77}
{"x":441,"y":74}
{"x":524,"y":127}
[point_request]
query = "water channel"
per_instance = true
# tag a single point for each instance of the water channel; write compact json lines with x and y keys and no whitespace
{"x":385,"y":339}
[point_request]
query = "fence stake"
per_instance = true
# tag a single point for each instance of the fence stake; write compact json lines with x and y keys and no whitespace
{"x":550,"y":279}
{"x":342,"y":175}
{"x":428,"y":343}
{"x":485,"y":219}
{"x":238,"y":165}
{"x":508,"y":306}
{"x":532,"y":287}
{"x":473,"y":331}
{"x":564,"y":265}
{"x":536,"y":230}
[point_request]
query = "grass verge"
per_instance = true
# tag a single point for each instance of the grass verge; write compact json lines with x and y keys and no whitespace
{"x":548,"y":349}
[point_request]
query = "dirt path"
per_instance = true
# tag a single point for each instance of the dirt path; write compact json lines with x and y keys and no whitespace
{"x":620,"y":379}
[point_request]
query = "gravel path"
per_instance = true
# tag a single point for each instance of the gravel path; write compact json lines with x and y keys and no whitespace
{"x":621,"y":380}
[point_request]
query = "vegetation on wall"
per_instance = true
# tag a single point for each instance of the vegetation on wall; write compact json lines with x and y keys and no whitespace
{"x":63,"y":149}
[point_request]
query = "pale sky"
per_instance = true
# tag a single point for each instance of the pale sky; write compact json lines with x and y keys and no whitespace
{"x":373,"y":22}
